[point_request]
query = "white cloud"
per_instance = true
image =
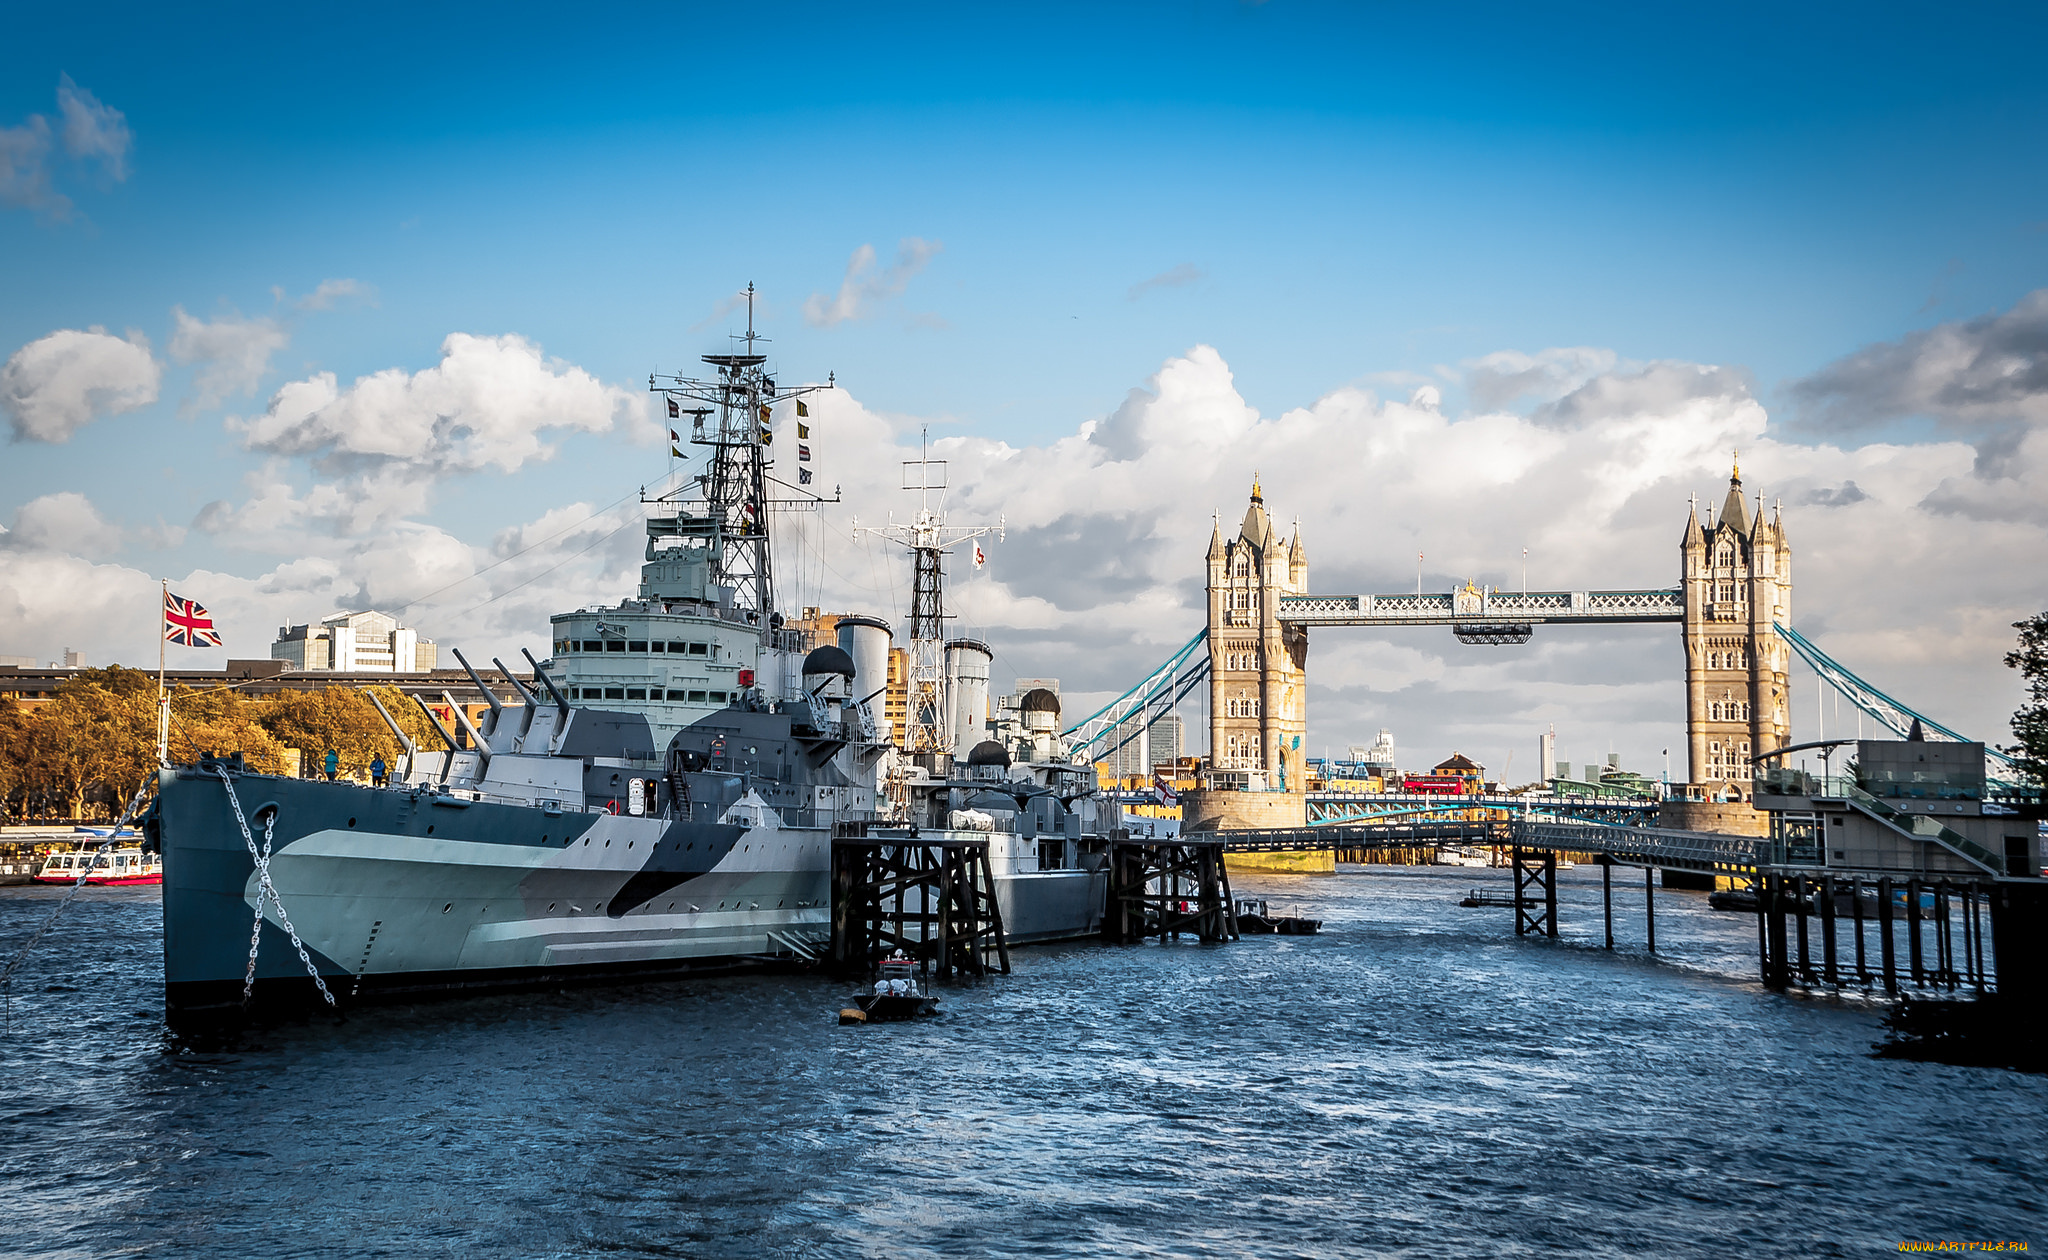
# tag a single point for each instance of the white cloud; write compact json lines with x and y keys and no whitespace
{"x":235,"y":353}
{"x":94,"y":131}
{"x":489,"y":403}
{"x":55,"y":385}
{"x":863,"y":288}
{"x":64,"y":522}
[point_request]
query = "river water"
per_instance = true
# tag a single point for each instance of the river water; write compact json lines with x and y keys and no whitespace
{"x":1415,"y":1081}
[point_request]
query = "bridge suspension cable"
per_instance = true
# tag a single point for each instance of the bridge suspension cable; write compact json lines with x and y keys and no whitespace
{"x":1887,"y":712}
{"x":1153,"y":698}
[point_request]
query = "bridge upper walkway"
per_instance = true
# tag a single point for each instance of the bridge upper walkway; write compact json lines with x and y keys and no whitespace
{"x":1473,"y":604}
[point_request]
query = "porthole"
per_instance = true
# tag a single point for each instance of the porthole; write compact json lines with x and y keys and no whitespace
{"x":430,"y":829}
{"x":351,"y":822}
{"x":543,"y":839}
{"x":450,"y":906}
{"x":586,"y":842}
{"x":551,"y":907}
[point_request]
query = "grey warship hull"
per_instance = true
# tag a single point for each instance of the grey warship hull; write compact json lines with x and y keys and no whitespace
{"x":402,"y":891}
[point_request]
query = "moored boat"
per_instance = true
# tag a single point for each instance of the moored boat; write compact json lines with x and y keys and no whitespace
{"x":125,"y":862}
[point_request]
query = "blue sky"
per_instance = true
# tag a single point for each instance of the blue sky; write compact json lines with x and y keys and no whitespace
{"x":1331,"y":196}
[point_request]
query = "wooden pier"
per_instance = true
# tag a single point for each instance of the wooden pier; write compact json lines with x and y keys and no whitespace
{"x":933,"y":896}
{"x":1165,"y":888}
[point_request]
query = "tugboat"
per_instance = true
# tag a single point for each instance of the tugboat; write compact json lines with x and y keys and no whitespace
{"x":1255,"y":918}
{"x":899,"y":994}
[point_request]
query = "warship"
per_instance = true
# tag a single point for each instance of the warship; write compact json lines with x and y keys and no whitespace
{"x":666,"y":805}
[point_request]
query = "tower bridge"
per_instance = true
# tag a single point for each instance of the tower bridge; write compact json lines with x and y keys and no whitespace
{"x":1731,"y":603}
{"x":1734,"y":585}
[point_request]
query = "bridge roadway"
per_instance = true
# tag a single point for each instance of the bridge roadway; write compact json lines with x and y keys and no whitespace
{"x":1703,"y":851}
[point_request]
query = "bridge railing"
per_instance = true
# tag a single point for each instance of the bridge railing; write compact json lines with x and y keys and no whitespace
{"x":1702,"y":851}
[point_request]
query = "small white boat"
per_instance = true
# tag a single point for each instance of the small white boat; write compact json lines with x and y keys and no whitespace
{"x":125,"y":863}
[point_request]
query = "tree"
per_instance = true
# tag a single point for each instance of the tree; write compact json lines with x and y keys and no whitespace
{"x":99,"y":730}
{"x":333,"y":717}
{"x":14,"y":756}
{"x":2030,"y":722}
{"x":219,"y":721}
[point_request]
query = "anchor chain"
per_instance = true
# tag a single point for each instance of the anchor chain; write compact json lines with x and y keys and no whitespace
{"x":265,"y":888}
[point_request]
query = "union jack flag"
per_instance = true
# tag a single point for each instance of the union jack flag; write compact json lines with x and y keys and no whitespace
{"x":187,"y":624}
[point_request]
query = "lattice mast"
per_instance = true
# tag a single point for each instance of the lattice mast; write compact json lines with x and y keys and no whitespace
{"x":736,"y":484}
{"x":926,"y":728}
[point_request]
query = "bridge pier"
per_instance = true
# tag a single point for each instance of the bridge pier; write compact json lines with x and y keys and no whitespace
{"x":1607,"y":895}
{"x":1163,"y":889}
{"x":1528,"y":872}
{"x":1650,"y":904}
{"x":934,"y":899}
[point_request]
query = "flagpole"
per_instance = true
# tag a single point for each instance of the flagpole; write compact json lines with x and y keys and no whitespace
{"x":163,"y":697}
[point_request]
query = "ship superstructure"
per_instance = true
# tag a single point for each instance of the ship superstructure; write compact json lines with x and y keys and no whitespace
{"x":703,"y":627}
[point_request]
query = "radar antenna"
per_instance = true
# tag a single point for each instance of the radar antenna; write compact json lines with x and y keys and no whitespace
{"x":736,"y":419}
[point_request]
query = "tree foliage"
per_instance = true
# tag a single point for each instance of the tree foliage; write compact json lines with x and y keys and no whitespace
{"x":2030,"y":722}
{"x":93,"y":745}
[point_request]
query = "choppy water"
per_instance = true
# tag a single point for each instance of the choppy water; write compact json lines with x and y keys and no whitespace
{"x":1414,"y":1081}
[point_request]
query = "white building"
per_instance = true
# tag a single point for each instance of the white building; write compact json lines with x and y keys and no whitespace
{"x":355,"y":643}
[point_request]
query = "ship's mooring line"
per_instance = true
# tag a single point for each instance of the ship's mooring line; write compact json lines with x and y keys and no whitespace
{"x":265,"y":888}
{"x":113,"y":836}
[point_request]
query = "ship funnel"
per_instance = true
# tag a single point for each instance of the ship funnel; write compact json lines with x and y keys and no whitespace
{"x":866,"y":640}
{"x":967,"y":667}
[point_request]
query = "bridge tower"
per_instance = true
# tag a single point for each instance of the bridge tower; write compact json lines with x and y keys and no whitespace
{"x":1737,"y":580}
{"x":1258,"y":679}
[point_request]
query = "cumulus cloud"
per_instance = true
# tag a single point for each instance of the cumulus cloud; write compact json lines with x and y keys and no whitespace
{"x":64,"y":522}
{"x":1172,"y":278}
{"x":863,"y":289}
{"x":1985,"y":377}
{"x":490,"y":402}
{"x":234,"y":353}
{"x":55,"y":385}
{"x":91,"y":132}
